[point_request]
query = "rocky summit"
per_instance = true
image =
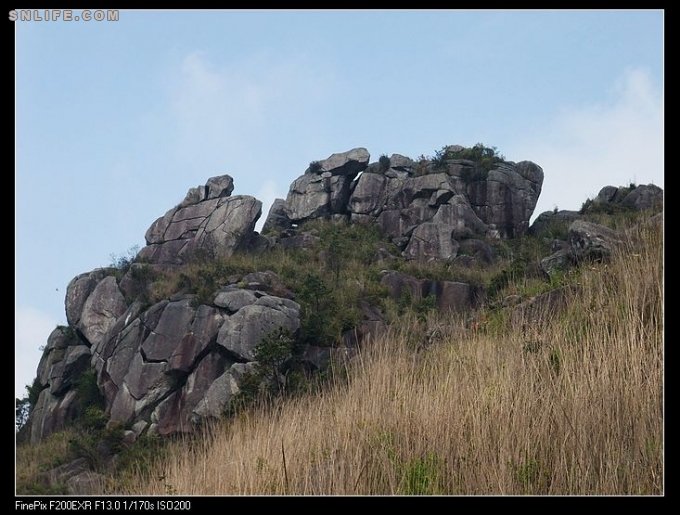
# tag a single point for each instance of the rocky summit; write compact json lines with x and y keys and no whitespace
{"x":163,"y":365}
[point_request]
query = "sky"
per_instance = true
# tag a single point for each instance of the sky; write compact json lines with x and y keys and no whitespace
{"x":115,"y":121}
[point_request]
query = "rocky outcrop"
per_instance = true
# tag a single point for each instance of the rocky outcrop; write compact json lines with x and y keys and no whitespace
{"x":592,"y":242}
{"x":208,"y":220}
{"x":426,"y":210}
{"x":550,"y":222}
{"x":324,"y":189}
{"x":586,"y":242}
{"x":165,"y":367}
{"x":277,"y":219}
{"x":162,"y":368}
{"x":640,"y":198}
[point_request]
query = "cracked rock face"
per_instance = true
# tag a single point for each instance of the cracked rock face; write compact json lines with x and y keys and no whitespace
{"x":207,"y":220}
{"x":165,"y":367}
{"x":426,"y":211}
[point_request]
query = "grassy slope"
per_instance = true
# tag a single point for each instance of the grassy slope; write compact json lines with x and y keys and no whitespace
{"x":555,"y":404}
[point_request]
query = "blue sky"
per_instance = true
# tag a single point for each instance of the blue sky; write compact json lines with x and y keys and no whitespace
{"x":116,"y":120}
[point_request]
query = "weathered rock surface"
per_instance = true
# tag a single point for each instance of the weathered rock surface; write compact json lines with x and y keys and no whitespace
{"x":156,"y":365}
{"x":164,"y":367}
{"x":592,"y":241}
{"x":277,"y":219}
{"x":587,"y":242}
{"x":209,"y":220}
{"x":244,"y":330}
{"x":639,"y":198}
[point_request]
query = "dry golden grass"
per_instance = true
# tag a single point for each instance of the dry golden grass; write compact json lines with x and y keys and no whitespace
{"x":567,"y":402}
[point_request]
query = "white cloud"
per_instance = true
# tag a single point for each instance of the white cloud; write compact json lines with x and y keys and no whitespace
{"x":614,"y":142}
{"x":32,"y":329}
{"x":220,"y":111}
{"x":267,"y":194}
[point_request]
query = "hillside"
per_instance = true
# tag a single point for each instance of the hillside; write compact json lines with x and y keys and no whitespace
{"x":401,"y":315}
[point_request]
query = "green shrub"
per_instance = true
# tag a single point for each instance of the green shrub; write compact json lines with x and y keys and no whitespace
{"x":122,"y":262}
{"x":384,"y":163}
{"x":422,"y":475}
{"x":314,"y":167}
{"x":485,"y":157}
{"x":87,"y":391}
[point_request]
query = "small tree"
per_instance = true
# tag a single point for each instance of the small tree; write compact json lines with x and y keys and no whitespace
{"x":271,"y":354}
{"x":384,"y":163}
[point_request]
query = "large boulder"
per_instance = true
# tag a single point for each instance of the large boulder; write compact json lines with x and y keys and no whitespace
{"x":368,"y":195}
{"x":243,"y":331}
{"x":325,"y":187}
{"x":78,"y":290}
{"x":277,"y":219}
{"x":208,"y":220}
{"x":644,"y":197}
{"x":551,"y":222}
{"x":505,"y":199}
{"x":317,"y":196}
{"x":101,"y":310}
{"x":348,"y":163}
{"x":590,"y":241}
{"x":432,"y":241}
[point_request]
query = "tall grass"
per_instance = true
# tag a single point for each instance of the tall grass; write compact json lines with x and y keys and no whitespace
{"x":554,"y":402}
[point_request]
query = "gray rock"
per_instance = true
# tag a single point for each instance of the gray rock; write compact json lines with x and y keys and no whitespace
{"x":77,"y":292}
{"x":480,"y":250}
{"x":506,"y":200}
{"x":454,"y":296}
{"x":644,"y":197}
{"x":139,"y":427}
{"x":348,"y":163}
{"x":559,"y":261}
{"x":590,"y":241}
{"x":229,"y":227}
{"x":431,"y":241}
{"x":57,"y":344}
{"x":64,"y":373}
{"x":101,"y":309}
{"x":193,"y":196}
{"x":277,"y":219}
{"x":458,"y":215}
{"x":606,"y":194}
{"x":218,"y":396}
{"x":549,"y":222}
{"x":243,"y":331}
{"x":201,"y":335}
{"x":208,"y":220}
{"x":368,"y":195}
{"x":218,"y":187}
{"x":175,"y":413}
{"x":156,"y":232}
{"x":401,"y":163}
{"x":174,"y":323}
{"x":234,"y":299}
{"x":542,"y":306}
{"x":317,"y":196}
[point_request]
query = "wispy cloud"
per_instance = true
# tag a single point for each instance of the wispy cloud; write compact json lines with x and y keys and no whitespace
{"x":32,"y":329}
{"x":219,"y":110}
{"x":614,"y":142}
